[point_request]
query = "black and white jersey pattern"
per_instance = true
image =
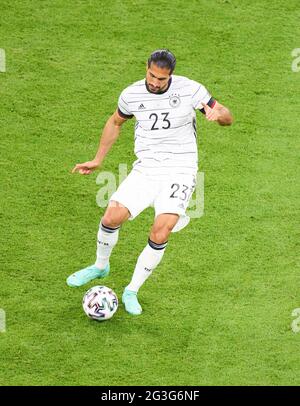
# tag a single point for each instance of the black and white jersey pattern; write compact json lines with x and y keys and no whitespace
{"x":165,"y":130}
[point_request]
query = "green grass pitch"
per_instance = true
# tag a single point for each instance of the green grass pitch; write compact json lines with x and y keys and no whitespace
{"x":217,"y":311}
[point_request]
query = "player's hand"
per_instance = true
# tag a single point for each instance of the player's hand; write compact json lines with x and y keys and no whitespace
{"x":211,"y":114}
{"x":86,"y":168}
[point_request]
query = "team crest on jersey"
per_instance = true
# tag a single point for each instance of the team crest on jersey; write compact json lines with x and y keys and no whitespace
{"x":174,"y":100}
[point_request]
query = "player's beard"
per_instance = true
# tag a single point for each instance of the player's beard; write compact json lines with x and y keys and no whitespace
{"x":154,"y":89}
{"x":157,"y":90}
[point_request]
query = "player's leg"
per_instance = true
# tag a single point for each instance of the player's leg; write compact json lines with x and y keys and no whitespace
{"x":149,"y":259}
{"x":170,"y":205}
{"x":133,"y":195}
{"x":115,"y":215}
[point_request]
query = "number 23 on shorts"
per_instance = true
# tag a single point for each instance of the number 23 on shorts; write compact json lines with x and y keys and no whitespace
{"x":181,"y":191}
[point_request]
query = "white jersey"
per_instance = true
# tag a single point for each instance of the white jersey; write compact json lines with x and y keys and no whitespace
{"x":165,"y":130}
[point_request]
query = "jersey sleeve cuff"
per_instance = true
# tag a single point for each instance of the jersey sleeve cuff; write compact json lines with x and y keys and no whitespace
{"x":123,"y":115}
{"x":211,"y":103}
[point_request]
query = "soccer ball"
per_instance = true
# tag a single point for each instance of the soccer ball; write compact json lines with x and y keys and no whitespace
{"x":100,"y":303}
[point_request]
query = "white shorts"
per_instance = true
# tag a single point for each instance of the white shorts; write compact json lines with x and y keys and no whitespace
{"x":168,"y":194}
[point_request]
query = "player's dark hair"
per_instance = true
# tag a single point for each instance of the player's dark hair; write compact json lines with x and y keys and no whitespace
{"x":163,"y":58}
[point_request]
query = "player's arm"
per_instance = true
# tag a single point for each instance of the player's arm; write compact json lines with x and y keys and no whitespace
{"x":110,"y":134}
{"x":217,"y":112}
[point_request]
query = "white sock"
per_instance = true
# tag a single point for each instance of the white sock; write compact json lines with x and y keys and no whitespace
{"x":146,"y":263}
{"x":107,"y":239}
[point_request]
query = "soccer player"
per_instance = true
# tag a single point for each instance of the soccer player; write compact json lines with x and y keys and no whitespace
{"x":164,"y":174}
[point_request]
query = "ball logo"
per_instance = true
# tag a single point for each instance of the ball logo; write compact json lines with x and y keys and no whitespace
{"x":174,"y":101}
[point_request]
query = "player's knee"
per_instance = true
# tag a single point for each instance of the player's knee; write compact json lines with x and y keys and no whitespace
{"x":115,"y":216}
{"x":159,"y":236}
{"x":110,"y":220}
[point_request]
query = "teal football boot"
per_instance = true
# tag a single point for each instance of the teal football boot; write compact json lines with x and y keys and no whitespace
{"x":86,"y":275}
{"x":131,"y":303}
